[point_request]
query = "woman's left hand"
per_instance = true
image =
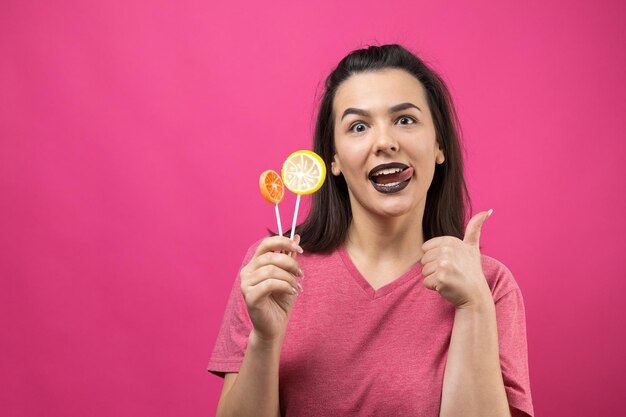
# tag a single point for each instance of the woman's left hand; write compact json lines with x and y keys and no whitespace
{"x":453,"y":267}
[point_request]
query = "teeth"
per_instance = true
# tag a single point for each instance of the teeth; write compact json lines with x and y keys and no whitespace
{"x":386,"y":171}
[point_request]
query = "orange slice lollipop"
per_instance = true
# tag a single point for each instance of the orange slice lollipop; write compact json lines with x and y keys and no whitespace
{"x":272,"y":188}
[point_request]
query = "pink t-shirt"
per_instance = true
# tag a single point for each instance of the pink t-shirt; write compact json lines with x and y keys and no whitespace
{"x":353,"y":350}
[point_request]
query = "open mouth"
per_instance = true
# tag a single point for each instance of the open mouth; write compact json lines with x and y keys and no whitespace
{"x":390,"y":178}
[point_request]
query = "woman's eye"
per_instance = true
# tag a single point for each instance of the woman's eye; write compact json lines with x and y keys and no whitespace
{"x":406,"y":120}
{"x":357,"y":127}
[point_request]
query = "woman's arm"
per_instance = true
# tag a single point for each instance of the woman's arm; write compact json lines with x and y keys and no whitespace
{"x":269,"y":288}
{"x":472,"y":382}
{"x":254,"y":391}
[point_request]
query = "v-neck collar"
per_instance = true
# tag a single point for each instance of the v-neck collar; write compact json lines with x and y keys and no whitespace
{"x":365,"y":285}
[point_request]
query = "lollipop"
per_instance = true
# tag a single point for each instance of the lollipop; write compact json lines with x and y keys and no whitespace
{"x":303,"y":172}
{"x":273,"y":191}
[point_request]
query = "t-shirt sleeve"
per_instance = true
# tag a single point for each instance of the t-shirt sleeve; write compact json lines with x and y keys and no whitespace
{"x":511,"y":320}
{"x":232,"y":339}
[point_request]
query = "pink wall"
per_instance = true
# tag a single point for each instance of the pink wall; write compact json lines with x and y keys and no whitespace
{"x":132,"y":135}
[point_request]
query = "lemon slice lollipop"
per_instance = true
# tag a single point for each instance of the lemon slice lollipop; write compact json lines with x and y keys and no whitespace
{"x":303,"y":173}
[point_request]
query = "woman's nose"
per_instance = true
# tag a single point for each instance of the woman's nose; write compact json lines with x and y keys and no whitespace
{"x":385,"y":142}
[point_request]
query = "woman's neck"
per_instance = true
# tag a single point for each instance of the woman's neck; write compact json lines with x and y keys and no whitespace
{"x":386,"y":239}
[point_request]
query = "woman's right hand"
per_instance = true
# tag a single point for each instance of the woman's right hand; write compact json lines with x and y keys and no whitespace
{"x":269,"y":285}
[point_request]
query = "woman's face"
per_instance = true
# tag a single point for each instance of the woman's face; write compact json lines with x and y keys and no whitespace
{"x":385,"y":142}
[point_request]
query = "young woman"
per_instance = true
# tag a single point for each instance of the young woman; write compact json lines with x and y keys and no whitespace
{"x":401,"y":315}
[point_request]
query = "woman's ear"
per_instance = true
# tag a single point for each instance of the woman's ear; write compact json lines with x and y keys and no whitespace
{"x":440,"y":158}
{"x":334,"y":166}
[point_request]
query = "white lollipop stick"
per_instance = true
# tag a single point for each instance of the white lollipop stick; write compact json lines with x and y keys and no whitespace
{"x":280,"y":227}
{"x":295,"y":217}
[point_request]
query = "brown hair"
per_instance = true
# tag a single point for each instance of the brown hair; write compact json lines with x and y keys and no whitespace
{"x":326,"y":225}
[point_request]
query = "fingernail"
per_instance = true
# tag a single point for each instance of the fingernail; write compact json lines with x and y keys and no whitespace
{"x":300,"y":286}
{"x":300,"y":273}
{"x":293,"y":290}
{"x":297,"y":248}
{"x":489,"y":212}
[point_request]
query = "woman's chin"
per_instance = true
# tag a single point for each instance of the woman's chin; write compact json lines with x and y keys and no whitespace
{"x":396,"y":209}
{"x":400,"y":205}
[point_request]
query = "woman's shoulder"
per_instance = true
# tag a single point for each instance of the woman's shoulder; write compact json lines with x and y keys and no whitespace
{"x":251,"y":250}
{"x":499,"y":276}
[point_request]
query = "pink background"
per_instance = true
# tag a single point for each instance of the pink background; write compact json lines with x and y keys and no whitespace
{"x":133,"y":133}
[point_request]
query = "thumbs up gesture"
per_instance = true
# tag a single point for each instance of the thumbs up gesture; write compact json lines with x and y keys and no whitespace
{"x":453,"y":267}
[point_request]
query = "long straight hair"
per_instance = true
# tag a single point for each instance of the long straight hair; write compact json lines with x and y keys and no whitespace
{"x":327,"y":223}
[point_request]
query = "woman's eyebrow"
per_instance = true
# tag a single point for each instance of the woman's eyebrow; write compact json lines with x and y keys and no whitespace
{"x":393,"y":109}
{"x":352,"y":110}
{"x":403,"y":106}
